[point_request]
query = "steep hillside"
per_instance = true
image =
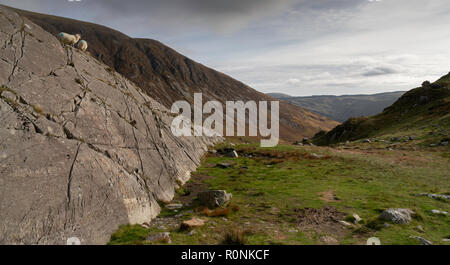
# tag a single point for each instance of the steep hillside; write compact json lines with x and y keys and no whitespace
{"x":82,"y":149}
{"x":168,"y":76}
{"x":341,"y":108}
{"x":421,"y":115}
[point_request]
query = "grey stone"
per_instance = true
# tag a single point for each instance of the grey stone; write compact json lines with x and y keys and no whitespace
{"x":399,"y":216}
{"x":435,"y":196}
{"x":174,"y":206}
{"x":214,"y":198}
{"x":423,"y":241}
{"x":444,"y":143}
{"x":346,"y":224}
{"x":72,"y":138}
{"x":439,"y":212}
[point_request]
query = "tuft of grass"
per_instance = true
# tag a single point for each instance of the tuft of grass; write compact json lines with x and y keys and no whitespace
{"x":182,"y":191}
{"x":129,"y":235}
{"x":235,"y":236}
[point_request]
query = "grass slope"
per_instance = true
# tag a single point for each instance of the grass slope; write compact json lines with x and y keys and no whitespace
{"x":273,"y":188}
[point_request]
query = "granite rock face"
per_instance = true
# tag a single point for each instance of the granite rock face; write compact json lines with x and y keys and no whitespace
{"x":82,"y":149}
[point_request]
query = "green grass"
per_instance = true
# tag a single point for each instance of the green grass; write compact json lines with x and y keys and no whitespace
{"x":271,"y":185}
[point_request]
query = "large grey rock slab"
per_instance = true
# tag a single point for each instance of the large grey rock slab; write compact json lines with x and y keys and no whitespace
{"x":82,"y":149}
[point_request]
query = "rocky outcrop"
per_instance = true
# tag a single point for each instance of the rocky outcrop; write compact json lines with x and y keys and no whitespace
{"x":82,"y":149}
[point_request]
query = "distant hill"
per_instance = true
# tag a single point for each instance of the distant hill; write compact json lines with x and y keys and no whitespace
{"x":279,"y":95}
{"x":341,"y":108}
{"x":421,"y":114}
{"x":168,"y":76}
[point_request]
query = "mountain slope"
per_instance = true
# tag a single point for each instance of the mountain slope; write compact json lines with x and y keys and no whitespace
{"x":82,"y":149}
{"x":341,"y":108}
{"x":168,"y":76}
{"x":421,"y":114}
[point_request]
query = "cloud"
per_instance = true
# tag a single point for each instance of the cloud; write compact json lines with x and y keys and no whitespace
{"x":293,"y":81}
{"x":298,"y":47}
{"x":379,"y":71}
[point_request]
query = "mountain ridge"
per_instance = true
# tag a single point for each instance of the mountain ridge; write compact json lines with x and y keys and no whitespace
{"x":343,"y":107}
{"x":168,"y":76}
{"x":415,"y":116}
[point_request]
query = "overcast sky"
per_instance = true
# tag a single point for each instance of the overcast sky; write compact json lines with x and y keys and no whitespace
{"x":298,"y":47}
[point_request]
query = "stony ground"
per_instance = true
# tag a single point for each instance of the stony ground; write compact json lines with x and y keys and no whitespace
{"x":301,"y":195}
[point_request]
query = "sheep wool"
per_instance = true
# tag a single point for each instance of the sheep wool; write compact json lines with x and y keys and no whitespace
{"x":69,"y":38}
{"x":82,"y":45}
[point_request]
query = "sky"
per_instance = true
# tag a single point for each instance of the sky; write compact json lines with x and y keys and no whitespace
{"x":297,"y":47}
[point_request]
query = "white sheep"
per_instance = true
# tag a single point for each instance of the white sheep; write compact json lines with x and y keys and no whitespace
{"x":82,"y":45}
{"x":69,"y":39}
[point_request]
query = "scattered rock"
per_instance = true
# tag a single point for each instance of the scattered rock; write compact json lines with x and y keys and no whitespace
{"x":366,"y":141}
{"x":316,"y":155}
{"x":293,"y":231}
{"x":329,"y":240}
{"x":398,"y":216}
{"x":193,"y":232}
{"x":420,"y":228}
{"x":190,"y":224}
{"x":224,"y":165}
{"x":346,"y":224}
{"x":357,"y":218}
{"x":214,"y":198}
{"x":160,"y":237}
{"x":174,"y":206}
{"x":435,"y":196}
{"x":446,"y":240}
{"x":422,"y":240}
{"x":445,"y":143}
{"x":387,"y":225}
{"x":439,"y":212}
{"x":213,"y":151}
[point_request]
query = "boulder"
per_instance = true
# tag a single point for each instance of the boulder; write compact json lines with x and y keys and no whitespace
{"x":214,"y":198}
{"x":398,"y":216}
